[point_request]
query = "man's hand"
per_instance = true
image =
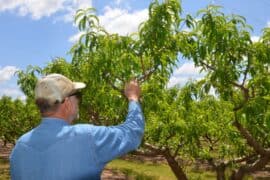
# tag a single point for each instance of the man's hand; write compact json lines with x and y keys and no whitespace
{"x":133,"y":91}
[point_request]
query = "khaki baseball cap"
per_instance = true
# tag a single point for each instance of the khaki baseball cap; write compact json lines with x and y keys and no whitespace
{"x":56,"y":87}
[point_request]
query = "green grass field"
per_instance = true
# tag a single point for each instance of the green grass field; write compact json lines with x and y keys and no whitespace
{"x":154,"y":171}
{"x":145,"y":170}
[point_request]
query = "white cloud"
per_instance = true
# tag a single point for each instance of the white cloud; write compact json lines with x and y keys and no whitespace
{"x":187,"y":69}
{"x":35,"y":8}
{"x":73,"y":7}
{"x":184,"y":73}
{"x":12,"y":92}
{"x":255,"y":38}
{"x":120,"y":21}
{"x":75,"y":38}
{"x":177,"y":80}
{"x":7,"y":72}
{"x":40,"y":8}
{"x":8,"y":83}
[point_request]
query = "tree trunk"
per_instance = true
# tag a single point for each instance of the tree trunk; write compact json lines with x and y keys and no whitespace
{"x":239,"y":175}
{"x":5,"y":143}
{"x":249,"y":169}
{"x":175,"y":167}
{"x":220,"y":169}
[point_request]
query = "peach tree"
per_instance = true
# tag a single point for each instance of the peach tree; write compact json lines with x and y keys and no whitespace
{"x":184,"y":124}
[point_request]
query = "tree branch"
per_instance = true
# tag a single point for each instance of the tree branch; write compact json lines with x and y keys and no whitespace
{"x":148,"y":154}
{"x":248,"y":169}
{"x":143,"y":68}
{"x":106,"y":77}
{"x":147,"y":74}
{"x":240,"y":86}
{"x":177,"y":149}
{"x":208,"y":66}
{"x":245,"y":74}
{"x":245,"y":94}
{"x":259,"y":164}
{"x":250,"y":140}
{"x":241,"y":159}
{"x":154,"y":148}
{"x":169,"y":137}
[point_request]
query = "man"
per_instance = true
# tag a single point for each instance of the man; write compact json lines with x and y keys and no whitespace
{"x":57,"y":150}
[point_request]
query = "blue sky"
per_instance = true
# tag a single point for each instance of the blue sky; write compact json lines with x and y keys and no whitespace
{"x":34,"y":32}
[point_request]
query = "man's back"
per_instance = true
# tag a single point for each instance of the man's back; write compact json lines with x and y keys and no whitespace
{"x":55,"y":150}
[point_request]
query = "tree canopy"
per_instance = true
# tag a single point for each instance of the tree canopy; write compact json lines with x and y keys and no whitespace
{"x":230,"y":128}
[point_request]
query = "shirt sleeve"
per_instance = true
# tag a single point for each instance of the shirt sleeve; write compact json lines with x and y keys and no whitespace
{"x":113,"y":141}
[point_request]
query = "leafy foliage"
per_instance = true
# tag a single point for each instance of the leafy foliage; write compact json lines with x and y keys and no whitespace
{"x":17,"y":117}
{"x":186,"y":122}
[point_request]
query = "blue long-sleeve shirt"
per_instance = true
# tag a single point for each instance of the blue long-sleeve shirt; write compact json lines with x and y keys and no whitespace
{"x":55,"y":150}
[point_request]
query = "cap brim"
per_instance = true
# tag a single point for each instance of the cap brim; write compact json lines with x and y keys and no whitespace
{"x":79,"y":85}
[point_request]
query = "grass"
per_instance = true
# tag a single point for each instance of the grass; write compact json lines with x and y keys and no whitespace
{"x":149,"y":171}
{"x":155,"y":171}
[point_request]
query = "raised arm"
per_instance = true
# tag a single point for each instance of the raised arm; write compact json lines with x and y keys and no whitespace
{"x":114,"y":141}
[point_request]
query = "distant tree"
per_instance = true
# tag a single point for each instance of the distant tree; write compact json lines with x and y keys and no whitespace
{"x":6,"y":112}
{"x":16,"y":117}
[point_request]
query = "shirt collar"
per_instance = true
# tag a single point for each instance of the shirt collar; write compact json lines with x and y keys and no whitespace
{"x":54,"y":121}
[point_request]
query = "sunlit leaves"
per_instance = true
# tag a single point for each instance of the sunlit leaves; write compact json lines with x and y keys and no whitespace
{"x":27,"y":80}
{"x":86,"y":19}
{"x":222,"y":43}
{"x":17,"y":117}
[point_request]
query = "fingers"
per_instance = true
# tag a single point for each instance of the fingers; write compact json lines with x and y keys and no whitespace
{"x":134,"y":82}
{"x":132,"y":90}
